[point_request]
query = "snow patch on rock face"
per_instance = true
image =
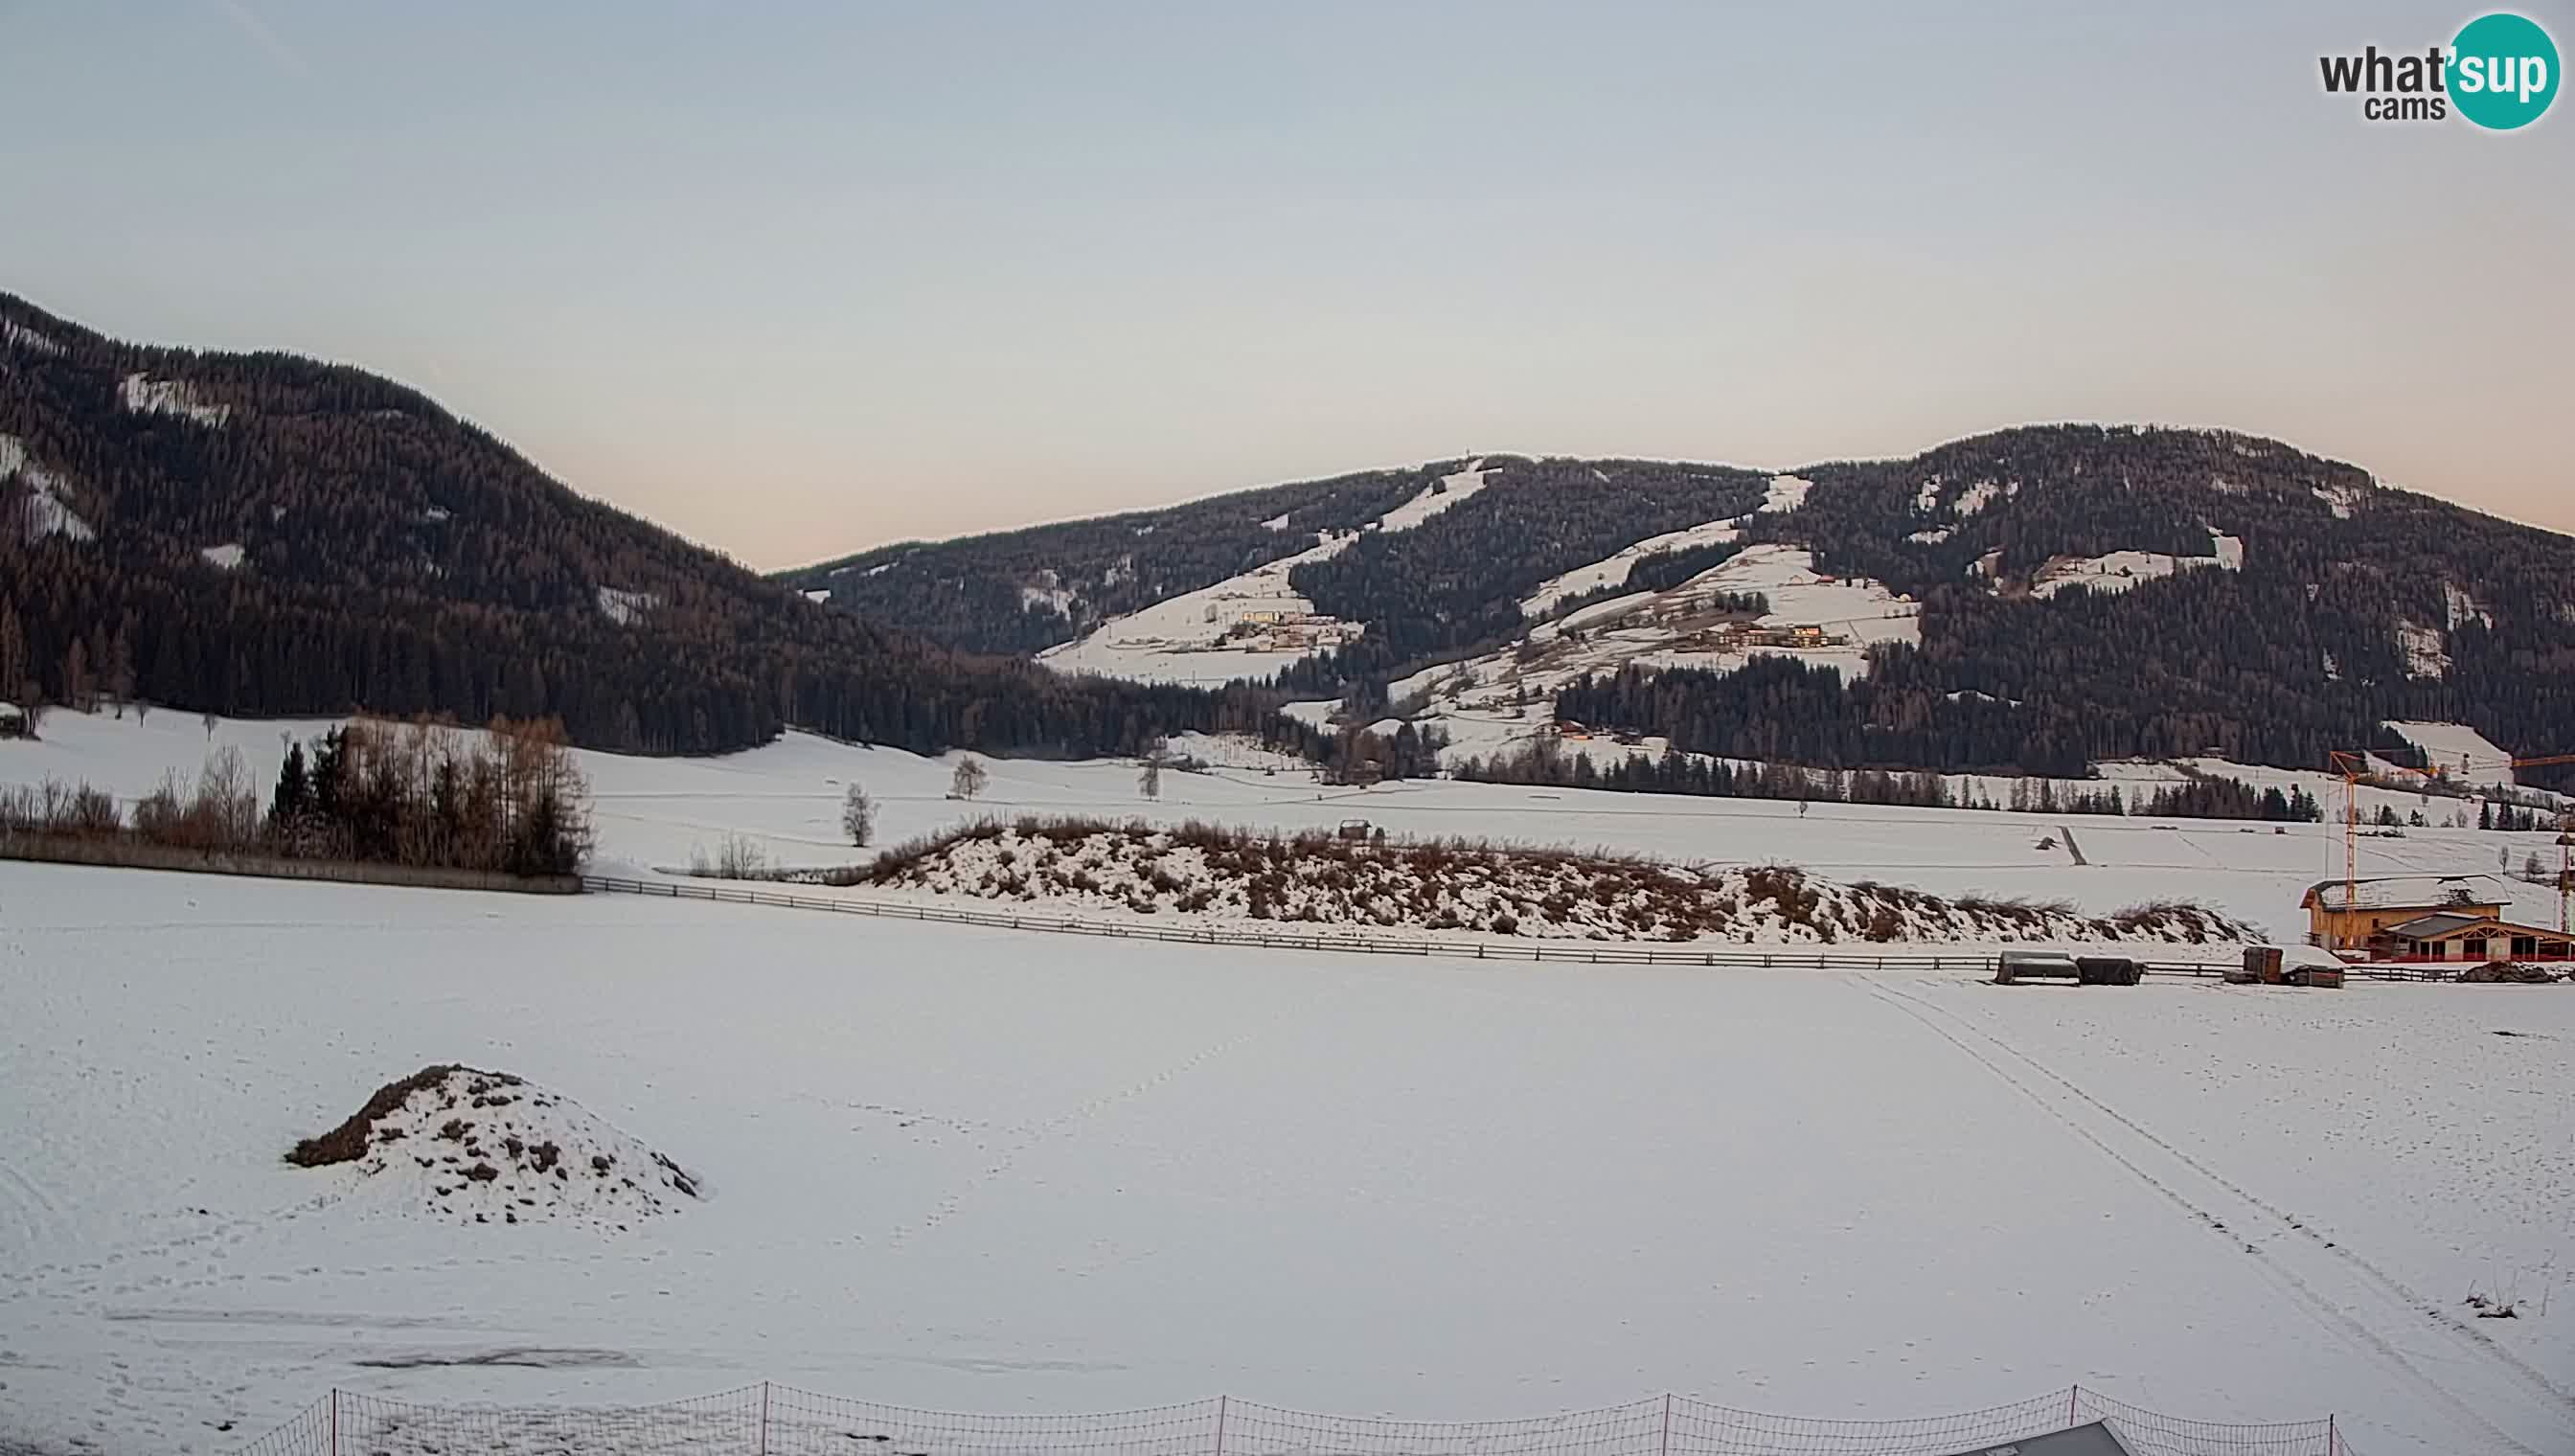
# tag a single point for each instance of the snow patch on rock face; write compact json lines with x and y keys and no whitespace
{"x":1612,"y":571}
{"x":2426,"y":650}
{"x":147,"y":396}
{"x":1275,"y":523}
{"x":1786,"y":494}
{"x":1451,"y":490}
{"x":2464,"y":608}
{"x":44,"y":512}
{"x":1982,"y":494}
{"x":1933,"y":536}
{"x":817,"y":595}
{"x":19,"y":336}
{"x":2341,"y":500}
{"x":486,"y":1148}
{"x":1057,"y":600}
{"x":227,"y":557}
{"x":626,"y":608}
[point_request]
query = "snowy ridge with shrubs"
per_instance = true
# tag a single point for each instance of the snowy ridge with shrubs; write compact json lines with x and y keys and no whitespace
{"x":1242,"y":877}
{"x":468,"y":1146}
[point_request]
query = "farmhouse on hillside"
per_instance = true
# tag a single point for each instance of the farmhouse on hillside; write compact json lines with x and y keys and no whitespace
{"x":2390,"y":901}
{"x":13,"y":721}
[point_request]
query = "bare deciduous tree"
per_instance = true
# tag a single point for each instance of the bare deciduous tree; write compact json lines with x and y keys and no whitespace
{"x":857,"y":816}
{"x":736,"y":857}
{"x":969,"y":780}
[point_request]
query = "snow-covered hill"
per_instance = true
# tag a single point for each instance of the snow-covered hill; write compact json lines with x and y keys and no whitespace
{"x":1816,"y":618}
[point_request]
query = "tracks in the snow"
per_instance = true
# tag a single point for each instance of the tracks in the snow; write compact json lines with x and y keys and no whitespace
{"x":2342,"y":1290}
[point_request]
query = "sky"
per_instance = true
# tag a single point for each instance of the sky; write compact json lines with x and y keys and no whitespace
{"x":795,"y":279}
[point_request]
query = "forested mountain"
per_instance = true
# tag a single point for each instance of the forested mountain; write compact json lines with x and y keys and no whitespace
{"x":2085,"y":592}
{"x":2352,"y":603}
{"x":262,"y":534}
{"x":1020,"y":591}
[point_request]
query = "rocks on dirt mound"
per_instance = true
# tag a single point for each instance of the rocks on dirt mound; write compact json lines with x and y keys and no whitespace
{"x":474,"y":1146}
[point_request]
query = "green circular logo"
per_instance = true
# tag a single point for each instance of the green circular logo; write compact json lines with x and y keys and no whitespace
{"x":2503,"y":71}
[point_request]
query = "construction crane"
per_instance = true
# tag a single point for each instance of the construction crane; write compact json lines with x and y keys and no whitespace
{"x":2356,"y":767}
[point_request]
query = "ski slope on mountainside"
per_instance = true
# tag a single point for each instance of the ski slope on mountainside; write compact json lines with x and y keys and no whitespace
{"x":979,"y":1170}
{"x":785,"y":799}
{"x":1612,"y":570}
{"x":1193,"y":638}
{"x":1246,"y":626}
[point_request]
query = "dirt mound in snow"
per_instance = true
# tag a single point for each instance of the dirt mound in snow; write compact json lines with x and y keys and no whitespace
{"x":474,"y":1146}
{"x":2495,"y":971}
{"x":1248,"y":876}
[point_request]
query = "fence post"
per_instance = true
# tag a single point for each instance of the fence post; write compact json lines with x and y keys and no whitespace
{"x":335,"y":1421}
{"x":764,"y":1418}
{"x":2073,"y":1393}
{"x":1221,"y":1403}
{"x":1664,"y":1445}
{"x":2333,"y":1436}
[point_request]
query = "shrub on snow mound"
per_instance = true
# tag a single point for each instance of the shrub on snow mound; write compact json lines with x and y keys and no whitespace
{"x":1317,"y":877}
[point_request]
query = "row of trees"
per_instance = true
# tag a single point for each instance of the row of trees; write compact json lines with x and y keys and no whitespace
{"x":2508,"y":818}
{"x":1546,"y":761}
{"x":509,"y":799}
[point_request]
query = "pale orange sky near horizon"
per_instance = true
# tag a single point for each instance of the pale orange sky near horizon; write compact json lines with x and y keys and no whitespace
{"x":831,"y":276}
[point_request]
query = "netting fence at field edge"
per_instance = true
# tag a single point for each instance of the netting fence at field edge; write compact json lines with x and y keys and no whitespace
{"x":778,"y":1420}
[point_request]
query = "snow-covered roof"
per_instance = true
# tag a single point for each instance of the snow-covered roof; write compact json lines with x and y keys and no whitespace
{"x":2408,"y":891}
{"x":11,"y":709}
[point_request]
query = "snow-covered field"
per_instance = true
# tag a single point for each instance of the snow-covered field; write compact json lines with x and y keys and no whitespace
{"x":976,"y":1170}
{"x":2123,"y":570}
{"x":786,"y":798}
